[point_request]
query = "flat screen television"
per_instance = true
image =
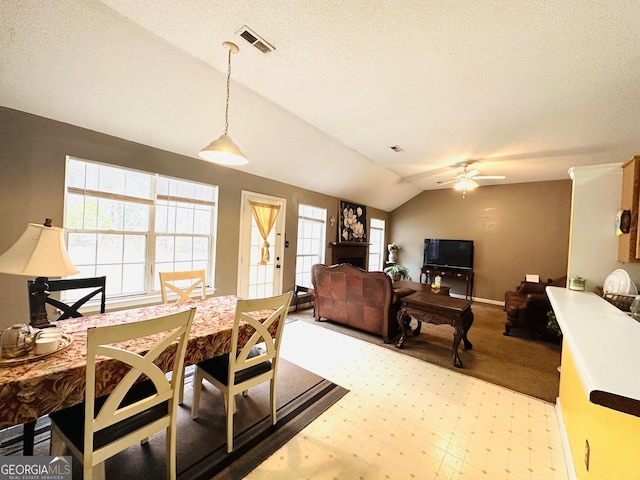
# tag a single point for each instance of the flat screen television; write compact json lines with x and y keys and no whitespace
{"x":454,"y":254}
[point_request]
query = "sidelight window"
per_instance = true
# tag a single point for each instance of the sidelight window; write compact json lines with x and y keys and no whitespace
{"x":311,"y":241}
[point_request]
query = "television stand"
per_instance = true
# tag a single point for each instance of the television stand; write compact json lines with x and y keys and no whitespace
{"x":428,"y":272}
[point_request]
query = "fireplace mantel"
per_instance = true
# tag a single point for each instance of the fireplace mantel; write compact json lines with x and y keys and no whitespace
{"x":355,"y":253}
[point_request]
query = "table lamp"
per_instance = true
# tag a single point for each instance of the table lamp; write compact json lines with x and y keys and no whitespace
{"x":40,"y":252}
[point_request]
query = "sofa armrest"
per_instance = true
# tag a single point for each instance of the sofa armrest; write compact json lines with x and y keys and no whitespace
{"x":531,"y":287}
{"x":398,"y":293}
{"x":537,"y":301}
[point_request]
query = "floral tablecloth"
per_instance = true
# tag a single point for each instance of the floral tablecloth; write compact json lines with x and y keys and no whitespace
{"x":33,"y":389}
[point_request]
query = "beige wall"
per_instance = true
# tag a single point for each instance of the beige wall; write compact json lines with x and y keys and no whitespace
{"x":516,"y":229}
{"x":33,"y":151}
{"x":593,"y":252}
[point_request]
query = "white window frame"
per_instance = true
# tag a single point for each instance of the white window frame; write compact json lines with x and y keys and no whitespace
{"x":377,"y":250}
{"x":155,"y":201}
{"x":311,"y":241}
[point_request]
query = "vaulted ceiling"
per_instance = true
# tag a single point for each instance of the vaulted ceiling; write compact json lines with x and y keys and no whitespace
{"x":526,"y":88}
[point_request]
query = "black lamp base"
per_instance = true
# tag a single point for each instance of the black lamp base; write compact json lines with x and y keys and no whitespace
{"x":37,"y":303}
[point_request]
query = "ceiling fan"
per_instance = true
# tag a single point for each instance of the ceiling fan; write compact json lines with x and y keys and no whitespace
{"x":467,"y":179}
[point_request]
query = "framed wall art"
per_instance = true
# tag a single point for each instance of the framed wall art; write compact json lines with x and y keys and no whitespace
{"x":353,"y":222}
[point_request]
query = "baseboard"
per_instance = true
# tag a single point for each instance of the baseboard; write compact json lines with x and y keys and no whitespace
{"x":301,"y":306}
{"x":479,"y":299}
{"x":571,"y":472}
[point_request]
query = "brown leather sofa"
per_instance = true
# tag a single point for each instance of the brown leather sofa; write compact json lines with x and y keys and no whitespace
{"x":354,"y":297}
{"x":528,"y":305}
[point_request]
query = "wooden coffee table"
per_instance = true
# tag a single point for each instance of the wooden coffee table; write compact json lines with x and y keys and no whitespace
{"x":437,"y":309}
{"x":421,"y":287}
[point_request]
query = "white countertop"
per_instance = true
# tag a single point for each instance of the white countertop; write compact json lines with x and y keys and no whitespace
{"x":604,"y":342}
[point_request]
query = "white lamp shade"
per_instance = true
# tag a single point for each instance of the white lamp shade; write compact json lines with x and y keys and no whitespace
{"x":39,"y":252}
{"x":224,"y":152}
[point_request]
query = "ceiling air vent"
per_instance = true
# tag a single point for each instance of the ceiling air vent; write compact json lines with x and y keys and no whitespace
{"x":396,"y":148}
{"x":253,"y":38}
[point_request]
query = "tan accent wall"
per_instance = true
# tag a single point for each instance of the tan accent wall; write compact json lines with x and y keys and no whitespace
{"x":517,"y":229}
{"x":33,"y":152}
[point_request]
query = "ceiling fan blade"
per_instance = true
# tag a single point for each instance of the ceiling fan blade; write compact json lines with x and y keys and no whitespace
{"x":426,"y":173}
{"x":471,"y":173}
{"x":448,"y":181}
{"x":489,"y":177}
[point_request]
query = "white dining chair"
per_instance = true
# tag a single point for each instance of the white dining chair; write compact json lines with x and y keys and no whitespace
{"x":250,"y":364}
{"x":99,"y":428}
{"x":183,"y":284}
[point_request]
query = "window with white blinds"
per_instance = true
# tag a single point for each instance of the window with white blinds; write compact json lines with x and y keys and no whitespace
{"x":130,"y":225}
{"x":376,"y":244}
{"x":311,"y":241}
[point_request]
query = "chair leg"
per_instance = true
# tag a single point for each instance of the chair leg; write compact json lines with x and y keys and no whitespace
{"x":56,"y":444}
{"x":230,"y":412}
{"x":28,"y":437}
{"x":197,"y":387}
{"x":507,"y":329}
{"x":98,"y":472}
{"x":94,"y":473}
{"x":230,"y":403}
{"x":172,"y":466}
{"x":273,"y":401}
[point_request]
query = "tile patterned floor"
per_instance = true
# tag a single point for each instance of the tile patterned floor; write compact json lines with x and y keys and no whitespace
{"x":407,"y":419}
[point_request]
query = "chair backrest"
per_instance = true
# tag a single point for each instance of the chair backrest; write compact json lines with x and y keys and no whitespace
{"x":268,"y":330}
{"x":183,"y":284}
{"x":166,"y":335}
{"x":97,"y":285}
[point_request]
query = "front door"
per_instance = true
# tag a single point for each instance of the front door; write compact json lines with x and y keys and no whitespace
{"x":256,"y":280}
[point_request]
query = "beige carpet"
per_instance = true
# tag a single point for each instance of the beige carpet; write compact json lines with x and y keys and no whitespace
{"x":520,"y":362}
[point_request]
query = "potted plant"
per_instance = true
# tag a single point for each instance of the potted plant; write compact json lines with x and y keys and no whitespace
{"x":397,"y":272}
{"x":552,"y":323}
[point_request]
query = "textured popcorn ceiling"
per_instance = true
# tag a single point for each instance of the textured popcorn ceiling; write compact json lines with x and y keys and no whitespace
{"x":528,"y":88}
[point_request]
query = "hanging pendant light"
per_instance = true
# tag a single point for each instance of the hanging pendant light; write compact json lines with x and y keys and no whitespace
{"x":223,"y":150}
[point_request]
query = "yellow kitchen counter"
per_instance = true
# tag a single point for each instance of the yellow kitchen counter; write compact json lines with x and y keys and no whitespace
{"x":599,"y":402}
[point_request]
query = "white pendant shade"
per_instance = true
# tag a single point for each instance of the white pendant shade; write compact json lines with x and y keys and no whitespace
{"x":39,"y":252}
{"x":224,"y":152}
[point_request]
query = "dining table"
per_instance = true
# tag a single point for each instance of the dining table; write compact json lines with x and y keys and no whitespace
{"x":33,"y":388}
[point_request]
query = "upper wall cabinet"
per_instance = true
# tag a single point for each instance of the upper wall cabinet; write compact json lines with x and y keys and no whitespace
{"x":628,"y":247}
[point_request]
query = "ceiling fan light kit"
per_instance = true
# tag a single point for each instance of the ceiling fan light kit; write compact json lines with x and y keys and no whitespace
{"x":467,"y":180}
{"x":223,"y":150}
{"x":466,"y":184}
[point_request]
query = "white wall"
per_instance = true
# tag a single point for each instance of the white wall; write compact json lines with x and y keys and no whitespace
{"x":593,"y":243}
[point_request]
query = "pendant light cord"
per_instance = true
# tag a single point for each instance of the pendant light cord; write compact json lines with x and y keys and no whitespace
{"x":226,"y":111}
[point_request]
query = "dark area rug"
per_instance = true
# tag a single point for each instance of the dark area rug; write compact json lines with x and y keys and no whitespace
{"x":202,"y":452}
{"x":521,"y":362}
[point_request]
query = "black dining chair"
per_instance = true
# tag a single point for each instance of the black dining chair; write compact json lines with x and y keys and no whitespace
{"x":95,"y":286}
